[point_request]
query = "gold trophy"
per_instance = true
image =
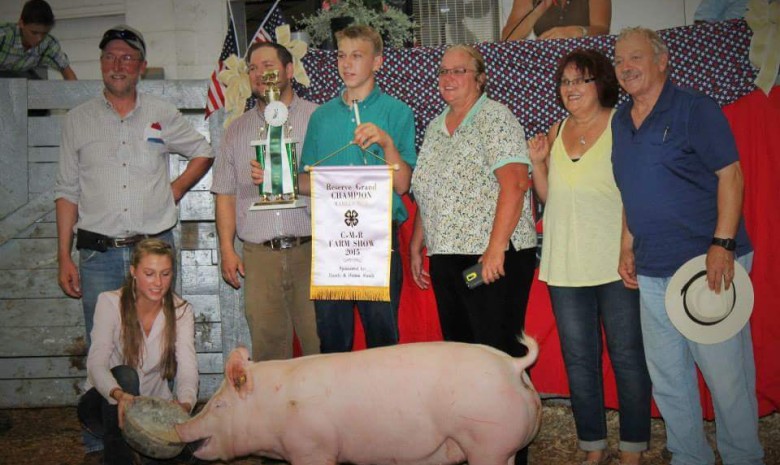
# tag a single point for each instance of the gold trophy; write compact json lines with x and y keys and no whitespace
{"x":276,"y":153}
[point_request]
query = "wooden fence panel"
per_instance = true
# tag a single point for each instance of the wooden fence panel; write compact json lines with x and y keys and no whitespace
{"x":44,"y":154}
{"x":49,"y":95}
{"x":24,"y":313}
{"x":44,"y":131}
{"x":25,"y":284}
{"x":65,"y":311}
{"x":51,"y":341}
{"x":76,"y":366}
{"x":41,"y":177}
{"x":42,"y":340}
{"x":28,"y":254}
{"x":23,"y":393}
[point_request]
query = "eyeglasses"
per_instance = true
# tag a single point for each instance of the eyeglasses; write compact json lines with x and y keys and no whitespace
{"x":455,"y":71}
{"x":124,"y":60}
{"x":575,"y":82}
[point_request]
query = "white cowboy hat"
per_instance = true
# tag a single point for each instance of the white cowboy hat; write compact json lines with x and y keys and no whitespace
{"x":699,"y":313}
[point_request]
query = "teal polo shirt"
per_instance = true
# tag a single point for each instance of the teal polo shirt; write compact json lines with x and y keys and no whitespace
{"x":332,"y":126}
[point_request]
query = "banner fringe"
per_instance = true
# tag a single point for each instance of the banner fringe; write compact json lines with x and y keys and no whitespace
{"x":372,"y":293}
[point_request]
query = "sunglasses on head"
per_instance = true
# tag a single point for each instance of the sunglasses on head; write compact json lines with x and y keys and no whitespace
{"x":125,"y":35}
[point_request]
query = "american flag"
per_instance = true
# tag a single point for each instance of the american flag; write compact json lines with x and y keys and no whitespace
{"x":216,"y":93}
{"x":267,"y":30}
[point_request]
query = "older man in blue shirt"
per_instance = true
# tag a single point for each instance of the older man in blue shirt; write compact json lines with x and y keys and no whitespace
{"x":676,"y":165}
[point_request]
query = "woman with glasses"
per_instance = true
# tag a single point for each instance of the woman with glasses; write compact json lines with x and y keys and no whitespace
{"x":582,"y":239}
{"x":143,"y":342}
{"x":471,"y":185}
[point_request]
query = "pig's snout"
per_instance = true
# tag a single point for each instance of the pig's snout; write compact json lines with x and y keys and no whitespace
{"x":186,"y":432}
{"x":189,"y":434}
{"x":196,"y":443}
{"x":202,"y":438}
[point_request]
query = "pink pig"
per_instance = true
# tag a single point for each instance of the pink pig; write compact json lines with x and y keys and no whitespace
{"x":423,"y":403}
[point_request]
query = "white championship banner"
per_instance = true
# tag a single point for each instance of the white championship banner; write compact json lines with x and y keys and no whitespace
{"x":351,"y":225}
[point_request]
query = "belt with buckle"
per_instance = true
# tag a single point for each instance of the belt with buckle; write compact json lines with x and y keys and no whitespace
{"x":127,"y":241}
{"x":95,"y":241}
{"x":286,"y":242}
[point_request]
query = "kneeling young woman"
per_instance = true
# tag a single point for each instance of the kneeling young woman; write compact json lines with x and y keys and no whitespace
{"x":143,"y":343}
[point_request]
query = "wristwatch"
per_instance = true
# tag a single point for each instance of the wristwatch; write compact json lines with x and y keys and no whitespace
{"x":727,"y":243}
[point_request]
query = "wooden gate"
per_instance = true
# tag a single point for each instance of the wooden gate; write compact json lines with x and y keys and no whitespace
{"x":42,"y":344}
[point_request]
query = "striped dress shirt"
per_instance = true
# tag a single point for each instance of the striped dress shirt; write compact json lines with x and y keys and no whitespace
{"x":232,"y":176}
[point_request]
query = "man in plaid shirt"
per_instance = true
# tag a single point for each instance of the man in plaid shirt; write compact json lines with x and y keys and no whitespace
{"x":27,"y":44}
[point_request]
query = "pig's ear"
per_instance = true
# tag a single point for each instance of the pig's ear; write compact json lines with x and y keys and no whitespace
{"x":244,"y":385}
{"x":237,"y":372}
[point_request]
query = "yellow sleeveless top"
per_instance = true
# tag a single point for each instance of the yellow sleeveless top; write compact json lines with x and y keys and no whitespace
{"x":582,"y":216}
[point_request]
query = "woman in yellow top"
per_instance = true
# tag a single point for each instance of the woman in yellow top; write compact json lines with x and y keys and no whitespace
{"x":582,"y":226}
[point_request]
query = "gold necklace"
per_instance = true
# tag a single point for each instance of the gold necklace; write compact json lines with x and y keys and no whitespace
{"x":587,"y":126}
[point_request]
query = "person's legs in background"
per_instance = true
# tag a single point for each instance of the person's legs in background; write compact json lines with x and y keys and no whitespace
{"x":380,"y":319}
{"x":335,"y":325}
{"x":270,"y":325}
{"x":117,"y":451}
{"x":99,"y":272}
{"x":729,"y":369}
{"x":300,"y":305}
{"x":673,"y":374}
{"x":450,"y":292}
{"x":620,"y":314}
{"x":576,"y":313}
{"x":101,"y":420}
{"x":497,"y":311}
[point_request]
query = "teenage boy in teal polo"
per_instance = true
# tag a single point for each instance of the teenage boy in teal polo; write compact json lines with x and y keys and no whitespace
{"x":387,"y":129}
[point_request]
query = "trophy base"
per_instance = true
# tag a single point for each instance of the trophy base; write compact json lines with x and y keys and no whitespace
{"x":277,"y":204}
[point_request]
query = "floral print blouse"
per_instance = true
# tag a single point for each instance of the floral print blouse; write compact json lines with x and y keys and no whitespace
{"x":454,"y":182}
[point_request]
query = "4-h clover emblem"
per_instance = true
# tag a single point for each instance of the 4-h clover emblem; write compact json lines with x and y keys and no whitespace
{"x":351,"y":218}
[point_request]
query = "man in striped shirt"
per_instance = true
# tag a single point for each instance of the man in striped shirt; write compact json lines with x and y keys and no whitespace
{"x":276,"y":261}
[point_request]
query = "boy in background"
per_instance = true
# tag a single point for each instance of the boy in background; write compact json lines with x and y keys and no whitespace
{"x":27,"y":44}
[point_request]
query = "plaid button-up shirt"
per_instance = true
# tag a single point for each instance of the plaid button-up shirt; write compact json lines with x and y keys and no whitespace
{"x":13,"y":56}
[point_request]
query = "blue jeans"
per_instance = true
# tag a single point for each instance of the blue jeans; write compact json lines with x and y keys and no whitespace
{"x":727,"y":367}
{"x":579,"y":314}
{"x":336,"y":318}
{"x":100,"y":272}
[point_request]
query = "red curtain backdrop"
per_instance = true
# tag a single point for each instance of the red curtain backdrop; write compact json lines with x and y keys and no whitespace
{"x":755,"y":121}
